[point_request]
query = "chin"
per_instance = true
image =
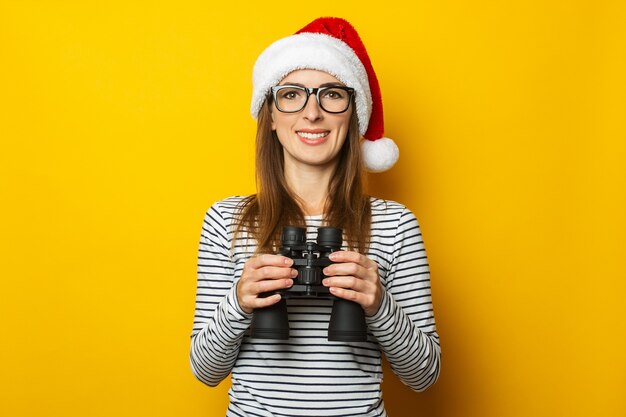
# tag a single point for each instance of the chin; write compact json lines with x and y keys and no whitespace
{"x":318,"y":162}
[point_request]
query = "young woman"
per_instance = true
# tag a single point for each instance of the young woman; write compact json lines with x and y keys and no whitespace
{"x":319,"y":112}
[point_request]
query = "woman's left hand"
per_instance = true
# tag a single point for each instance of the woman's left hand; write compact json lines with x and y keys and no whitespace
{"x":355,"y":277}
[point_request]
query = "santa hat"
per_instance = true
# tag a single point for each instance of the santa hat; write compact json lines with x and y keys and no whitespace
{"x":331,"y":45}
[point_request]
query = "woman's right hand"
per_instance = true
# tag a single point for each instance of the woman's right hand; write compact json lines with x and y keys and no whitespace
{"x":262,"y":274}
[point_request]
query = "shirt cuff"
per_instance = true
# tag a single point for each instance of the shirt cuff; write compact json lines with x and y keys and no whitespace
{"x":235,"y":308}
{"x":384,"y":311}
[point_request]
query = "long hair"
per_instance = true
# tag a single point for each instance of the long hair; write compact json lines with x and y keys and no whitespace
{"x":263,"y":215}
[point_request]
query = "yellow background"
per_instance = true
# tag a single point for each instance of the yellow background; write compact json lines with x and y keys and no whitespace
{"x":121,"y":122}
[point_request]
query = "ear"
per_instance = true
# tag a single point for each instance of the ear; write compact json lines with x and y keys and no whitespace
{"x":272,"y":117}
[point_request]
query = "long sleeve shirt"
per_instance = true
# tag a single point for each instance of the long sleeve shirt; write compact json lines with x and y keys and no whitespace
{"x":307,"y":374}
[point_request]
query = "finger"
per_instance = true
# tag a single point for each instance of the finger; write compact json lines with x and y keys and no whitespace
{"x":266,"y":286}
{"x":366,"y":301}
{"x":351,"y":295}
{"x":272,"y":272}
{"x":255,"y":284}
{"x":346,"y":282}
{"x":258,"y":302}
{"x":349,"y":269}
{"x":251,"y":295}
{"x":268,"y":260}
{"x":267,"y":301}
{"x":350,"y":256}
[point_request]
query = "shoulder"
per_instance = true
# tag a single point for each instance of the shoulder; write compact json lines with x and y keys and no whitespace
{"x":224,"y":211}
{"x":392,"y":217}
{"x":388,"y":210}
{"x":394,"y":225}
{"x":230,"y":206}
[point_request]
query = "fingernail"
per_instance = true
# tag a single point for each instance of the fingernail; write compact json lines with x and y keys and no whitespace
{"x":288,"y":261}
{"x":294,"y":273}
{"x":332,"y":256}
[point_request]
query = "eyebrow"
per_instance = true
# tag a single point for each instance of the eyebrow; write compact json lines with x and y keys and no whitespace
{"x":332,"y":84}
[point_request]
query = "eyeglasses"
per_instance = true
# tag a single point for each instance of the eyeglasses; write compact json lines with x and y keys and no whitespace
{"x":293,"y":98}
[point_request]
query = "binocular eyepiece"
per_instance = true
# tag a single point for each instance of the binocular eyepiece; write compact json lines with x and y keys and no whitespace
{"x":347,"y":320}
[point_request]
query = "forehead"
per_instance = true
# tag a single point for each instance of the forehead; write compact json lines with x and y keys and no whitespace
{"x":309,"y":78}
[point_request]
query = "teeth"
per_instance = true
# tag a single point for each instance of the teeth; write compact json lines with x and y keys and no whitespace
{"x":312,"y":135}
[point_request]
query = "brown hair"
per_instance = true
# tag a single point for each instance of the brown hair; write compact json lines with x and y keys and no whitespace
{"x":274,"y":206}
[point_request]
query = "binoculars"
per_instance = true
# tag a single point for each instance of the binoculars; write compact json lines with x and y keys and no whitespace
{"x":347,"y":319}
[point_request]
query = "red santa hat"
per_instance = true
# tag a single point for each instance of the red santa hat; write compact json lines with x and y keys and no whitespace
{"x":331,"y":45}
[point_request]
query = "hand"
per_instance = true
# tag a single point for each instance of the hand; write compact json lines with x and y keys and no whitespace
{"x":261,"y":274}
{"x":355,"y":278}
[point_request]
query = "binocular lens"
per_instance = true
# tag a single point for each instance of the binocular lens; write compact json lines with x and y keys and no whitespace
{"x":293,"y":235}
{"x":329,"y":236}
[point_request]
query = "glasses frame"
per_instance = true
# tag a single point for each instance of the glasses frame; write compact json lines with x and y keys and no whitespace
{"x":316,"y":92}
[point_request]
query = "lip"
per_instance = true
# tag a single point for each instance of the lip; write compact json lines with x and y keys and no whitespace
{"x":313,"y":130}
{"x":313,"y":141}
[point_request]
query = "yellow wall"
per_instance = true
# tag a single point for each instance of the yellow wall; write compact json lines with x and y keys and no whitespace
{"x":121,"y":122}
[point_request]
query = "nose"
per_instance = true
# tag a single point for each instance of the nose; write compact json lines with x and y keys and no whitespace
{"x":312,"y":111}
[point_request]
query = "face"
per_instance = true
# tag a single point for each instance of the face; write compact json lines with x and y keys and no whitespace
{"x":311,"y":137}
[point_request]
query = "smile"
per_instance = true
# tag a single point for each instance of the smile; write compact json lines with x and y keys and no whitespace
{"x":313,"y":135}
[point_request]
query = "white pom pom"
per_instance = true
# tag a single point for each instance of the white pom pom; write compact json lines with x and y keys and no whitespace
{"x":379,"y":155}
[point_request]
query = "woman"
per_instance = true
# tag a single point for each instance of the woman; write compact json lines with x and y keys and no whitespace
{"x":319,"y":112}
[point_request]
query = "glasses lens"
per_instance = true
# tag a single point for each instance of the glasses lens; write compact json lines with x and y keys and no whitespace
{"x":290,"y":99}
{"x":334,"y":100}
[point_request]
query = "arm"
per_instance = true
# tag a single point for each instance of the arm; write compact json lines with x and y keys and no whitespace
{"x":219,"y":321}
{"x":405,"y":324}
{"x":399,"y":314}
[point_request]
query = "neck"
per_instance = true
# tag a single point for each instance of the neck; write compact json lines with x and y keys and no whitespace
{"x":310,"y":184}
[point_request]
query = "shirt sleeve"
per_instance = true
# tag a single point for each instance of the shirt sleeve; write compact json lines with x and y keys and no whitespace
{"x":405,"y":323}
{"x":219,"y":321}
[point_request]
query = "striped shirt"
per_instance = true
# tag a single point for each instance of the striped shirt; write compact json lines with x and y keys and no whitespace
{"x":307,"y":374}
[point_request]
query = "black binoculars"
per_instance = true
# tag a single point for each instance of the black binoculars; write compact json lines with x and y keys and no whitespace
{"x":347,"y":319}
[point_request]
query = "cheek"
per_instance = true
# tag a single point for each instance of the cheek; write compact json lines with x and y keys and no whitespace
{"x":345,"y":126}
{"x":280,"y":122}
{"x":347,"y":118}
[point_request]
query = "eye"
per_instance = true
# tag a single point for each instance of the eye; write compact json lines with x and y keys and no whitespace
{"x":290,"y":93}
{"x":334,"y":94}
